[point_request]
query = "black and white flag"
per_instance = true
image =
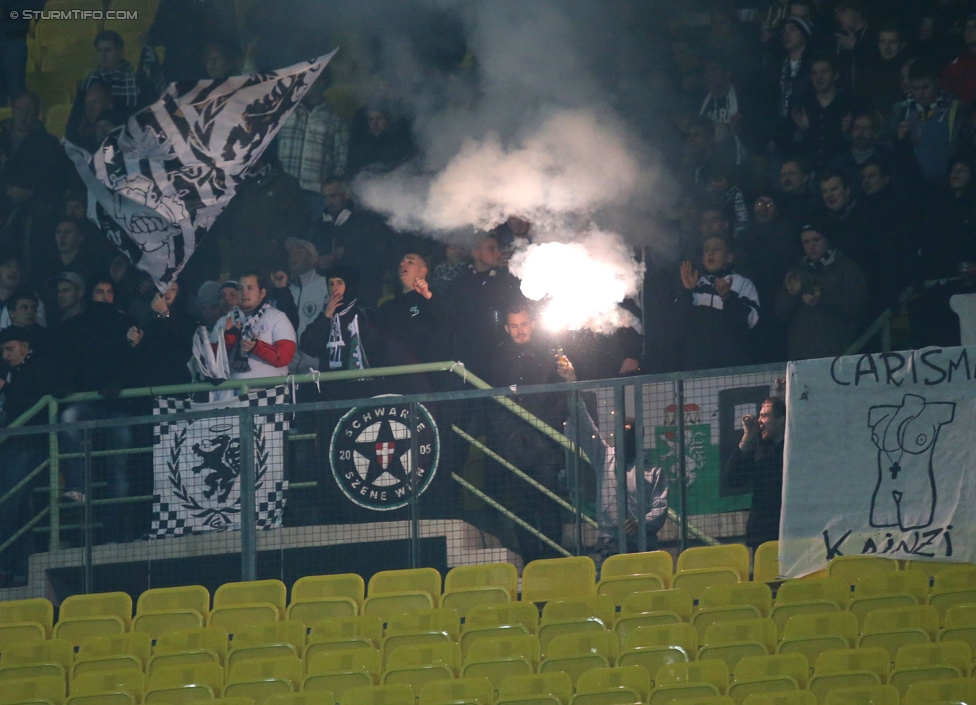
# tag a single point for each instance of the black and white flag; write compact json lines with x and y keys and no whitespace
{"x":197,"y":465}
{"x":158,"y":182}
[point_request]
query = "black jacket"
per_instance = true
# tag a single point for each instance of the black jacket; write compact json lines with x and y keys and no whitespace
{"x":759,"y":469}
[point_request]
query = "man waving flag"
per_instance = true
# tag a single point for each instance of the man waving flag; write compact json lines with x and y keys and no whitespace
{"x":158,"y":182}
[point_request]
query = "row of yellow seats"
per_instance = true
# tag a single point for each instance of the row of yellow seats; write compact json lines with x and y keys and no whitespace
{"x":862,"y":670}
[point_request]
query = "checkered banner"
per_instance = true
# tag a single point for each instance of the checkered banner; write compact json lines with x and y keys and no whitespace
{"x":197,"y":466}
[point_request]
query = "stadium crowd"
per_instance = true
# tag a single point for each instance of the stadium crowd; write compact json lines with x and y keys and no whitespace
{"x":824,"y":152}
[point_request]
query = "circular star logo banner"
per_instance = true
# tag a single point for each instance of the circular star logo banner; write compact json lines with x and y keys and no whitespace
{"x":370,"y":454}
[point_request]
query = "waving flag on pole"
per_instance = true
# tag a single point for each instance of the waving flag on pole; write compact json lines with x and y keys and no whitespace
{"x":157,"y":183}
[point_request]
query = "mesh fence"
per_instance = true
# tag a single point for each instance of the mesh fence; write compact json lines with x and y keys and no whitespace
{"x":346,"y":476}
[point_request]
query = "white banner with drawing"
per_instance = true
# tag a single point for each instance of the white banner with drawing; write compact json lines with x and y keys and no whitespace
{"x":880,"y":458}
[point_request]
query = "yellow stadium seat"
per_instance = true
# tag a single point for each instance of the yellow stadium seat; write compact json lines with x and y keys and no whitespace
{"x":133,"y":643}
{"x":678,"y":601}
{"x":319,"y":661}
{"x":101,"y":699}
{"x":209,"y":674}
{"x":683,"y":635}
{"x":252,"y":592}
{"x":416,"y":677}
{"x":806,"y":626}
{"x":802,"y":697}
{"x":936,"y":691}
{"x":38,"y":610}
{"x":633,"y":678}
{"x":958,"y":654}
{"x":714,"y":672}
{"x":447,"y":654}
{"x":782,"y":614}
{"x":860,"y":607}
{"x":367,"y":627}
{"x":441,"y":619}
{"x":239,"y":658}
{"x":523,"y":646}
{"x":499,"y":670}
{"x":126,"y":681}
{"x":617,"y":696}
{"x":390,"y":582}
{"x":490,"y":575}
{"x":731,"y":654}
{"x":180,"y":658}
{"x":77,"y":629}
{"x":308,"y":613}
{"x":464,"y":599}
{"x":234,"y":617}
{"x":657,"y":563}
{"x":47,"y":651}
{"x":286,"y":668}
{"x":516,"y":613}
{"x":460,"y":691}
{"x":99,"y":604}
{"x":335,"y":684}
{"x":820,"y":685}
{"x":794,"y":666}
{"x":323,"y":588}
{"x":902,"y":678}
{"x":256,"y":691}
{"x":156,"y":624}
{"x":664,"y":694}
{"x":923,"y":617}
{"x":618,"y":588}
{"x":556,"y":685}
{"x":932,"y":568}
{"x":41,"y":688}
{"x":284,"y":632}
{"x":386,"y":606}
{"x":944,"y":601}
{"x":850,"y":568}
{"x":705,"y":617}
{"x":762,"y":631}
{"x":21,"y":633}
{"x":697,"y":580}
{"x":322,"y":697}
{"x":757,"y":595}
{"x":830,"y":589}
{"x":893,"y":640}
{"x":812,"y":647}
{"x":186,"y":597}
{"x":262,"y":697}
{"x":625,"y":624}
{"x":379,"y":695}
{"x":742,"y":689}
{"x":889,"y":583}
{"x":100,"y":664}
{"x":200,"y":638}
{"x":471,"y":636}
{"x":416,"y":641}
{"x":558,"y":578}
{"x":765,"y":568}
{"x":652,"y":658}
{"x":954,"y":578}
{"x":576,"y":653}
{"x":874,"y":660}
{"x":733,"y":556}
{"x":870,"y":695}
{"x":547,"y":632}
{"x":23,"y":671}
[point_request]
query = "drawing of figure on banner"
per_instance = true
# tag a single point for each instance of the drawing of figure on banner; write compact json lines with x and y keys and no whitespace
{"x":221,"y":457}
{"x":905,"y":436}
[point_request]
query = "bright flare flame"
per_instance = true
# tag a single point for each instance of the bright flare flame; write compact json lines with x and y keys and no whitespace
{"x":582,"y":281}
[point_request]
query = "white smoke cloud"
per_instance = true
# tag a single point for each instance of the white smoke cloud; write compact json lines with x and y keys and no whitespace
{"x":572,"y":164}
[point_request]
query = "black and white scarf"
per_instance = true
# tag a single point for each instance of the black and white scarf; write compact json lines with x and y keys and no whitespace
{"x":244,"y":324}
{"x":823,"y":262}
